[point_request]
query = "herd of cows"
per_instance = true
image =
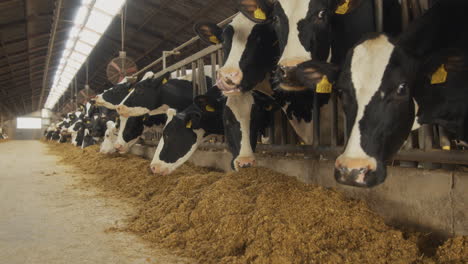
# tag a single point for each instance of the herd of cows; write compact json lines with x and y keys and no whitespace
{"x":289,"y":55}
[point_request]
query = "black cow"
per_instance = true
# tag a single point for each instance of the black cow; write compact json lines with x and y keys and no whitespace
{"x":318,"y":30}
{"x":154,"y":96}
{"x":386,"y":83}
{"x":186,"y":130}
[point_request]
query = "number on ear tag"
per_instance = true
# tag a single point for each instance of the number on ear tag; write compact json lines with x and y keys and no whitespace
{"x":209,"y":108}
{"x":343,"y":8}
{"x":324,"y":86}
{"x":189,"y":124}
{"x":439,"y":76}
{"x":259,"y":14}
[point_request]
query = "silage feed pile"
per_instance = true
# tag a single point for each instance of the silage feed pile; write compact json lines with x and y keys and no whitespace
{"x":254,"y":216}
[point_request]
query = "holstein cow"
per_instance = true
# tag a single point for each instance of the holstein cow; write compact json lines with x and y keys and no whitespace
{"x":251,"y":53}
{"x":385,"y":84}
{"x":132,"y":128}
{"x":318,"y":30}
{"x":154,"y":96}
{"x":186,"y":130}
{"x":112,"y":97}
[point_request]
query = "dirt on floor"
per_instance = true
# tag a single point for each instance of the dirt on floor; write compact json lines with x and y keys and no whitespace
{"x":254,"y":216}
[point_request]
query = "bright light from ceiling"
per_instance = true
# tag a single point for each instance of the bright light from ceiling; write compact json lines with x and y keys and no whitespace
{"x":92,"y":19}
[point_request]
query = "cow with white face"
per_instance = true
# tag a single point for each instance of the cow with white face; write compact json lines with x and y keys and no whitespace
{"x":110,"y":137}
{"x":186,"y":130}
{"x":318,"y":30}
{"x":385,"y":84}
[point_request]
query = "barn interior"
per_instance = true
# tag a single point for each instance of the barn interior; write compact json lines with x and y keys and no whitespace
{"x":69,"y":204}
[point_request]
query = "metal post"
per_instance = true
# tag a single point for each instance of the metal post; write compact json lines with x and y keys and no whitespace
{"x":378,"y":15}
{"x":213,"y":66}
{"x":194,"y":79}
{"x":334,"y":120}
{"x":404,"y":14}
{"x":316,"y":121}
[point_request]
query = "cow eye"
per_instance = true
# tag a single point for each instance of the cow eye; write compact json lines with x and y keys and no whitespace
{"x":321,"y":14}
{"x":402,"y":88}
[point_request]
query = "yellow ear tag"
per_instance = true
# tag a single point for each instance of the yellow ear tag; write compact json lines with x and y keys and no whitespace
{"x":324,"y":86}
{"x":259,"y":14}
{"x":144,"y":118}
{"x":189,"y":124}
{"x":446,"y":147}
{"x":214,"y":39}
{"x":439,"y":76}
{"x":209,"y":108}
{"x":343,"y":8}
{"x":164,"y":81}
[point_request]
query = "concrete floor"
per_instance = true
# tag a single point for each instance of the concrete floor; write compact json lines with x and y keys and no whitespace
{"x":44,"y":219}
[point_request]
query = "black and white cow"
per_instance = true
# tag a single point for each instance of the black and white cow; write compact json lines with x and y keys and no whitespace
{"x":386,"y":83}
{"x":112,"y":97}
{"x":132,"y":128}
{"x":318,"y":30}
{"x":154,"y":96}
{"x":186,"y":130}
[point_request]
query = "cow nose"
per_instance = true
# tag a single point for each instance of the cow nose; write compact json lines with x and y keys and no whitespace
{"x":245,"y":162}
{"x":158,"y":170}
{"x":360,"y":172}
{"x":118,"y":147}
{"x":230,"y":77}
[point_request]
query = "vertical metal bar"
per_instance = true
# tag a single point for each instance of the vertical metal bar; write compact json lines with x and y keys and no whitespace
{"x":404,"y":14}
{"x":194,"y":78}
{"x":178,"y":72}
{"x":184,"y":71}
{"x":213,"y":66}
{"x":334,"y":120}
{"x":444,"y":140}
{"x":284,"y":130}
{"x":201,"y":76}
{"x":220,"y":58}
{"x":378,"y":15}
{"x":316,"y":122}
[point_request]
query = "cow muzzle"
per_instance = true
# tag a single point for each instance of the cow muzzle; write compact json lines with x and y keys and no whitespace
{"x":244,"y":162}
{"x":160,"y":170}
{"x":286,"y":75}
{"x":229,"y":80}
{"x":358,"y":172}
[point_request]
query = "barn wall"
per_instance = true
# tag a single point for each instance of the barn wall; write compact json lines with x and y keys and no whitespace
{"x":427,"y":200}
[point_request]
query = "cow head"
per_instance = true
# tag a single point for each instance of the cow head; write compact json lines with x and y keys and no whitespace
{"x":245,"y":116}
{"x":112,"y":97}
{"x":130,"y":130}
{"x":250,"y":52}
{"x":107,"y":146}
{"x":184,"y":131}
{"x":375,"y":85}
{"x":144,"y":97}
{"x":303,"y":28}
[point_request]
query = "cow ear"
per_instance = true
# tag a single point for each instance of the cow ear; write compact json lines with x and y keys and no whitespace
{"x":259,"y":11}
{"x":344,"y":7}
{"x":192,"y":120}
{"x":209,"y":33}
{"x":317,"y":75}
{"x":205,"y":103}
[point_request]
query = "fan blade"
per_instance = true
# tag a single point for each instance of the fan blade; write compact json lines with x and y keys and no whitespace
{"x":132,"y":69}
{"x":115,"y":66}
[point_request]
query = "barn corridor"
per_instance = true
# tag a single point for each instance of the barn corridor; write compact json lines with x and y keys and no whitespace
{"x":44,"y":219}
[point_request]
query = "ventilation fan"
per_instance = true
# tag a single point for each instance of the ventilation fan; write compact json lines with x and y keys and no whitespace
{"x":85,"y":95}
{"x":120,"y":67}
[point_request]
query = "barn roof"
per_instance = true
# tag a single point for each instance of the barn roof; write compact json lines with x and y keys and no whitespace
{"x":152,"y":26}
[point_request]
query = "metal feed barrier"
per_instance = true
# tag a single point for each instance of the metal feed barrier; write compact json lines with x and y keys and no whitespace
{"x":429,"y":147}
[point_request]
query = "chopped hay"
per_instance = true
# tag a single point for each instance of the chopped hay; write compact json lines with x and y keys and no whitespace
{"x":254,"y":216}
